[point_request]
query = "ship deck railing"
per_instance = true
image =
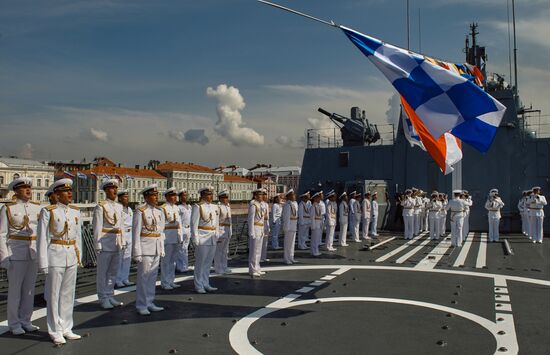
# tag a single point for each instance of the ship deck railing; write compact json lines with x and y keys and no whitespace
{"x":331,"y":137}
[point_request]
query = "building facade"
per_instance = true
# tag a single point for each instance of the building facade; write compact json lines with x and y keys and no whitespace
{"x":285,"y":177}
{"x":12,"y":168}
{"x":240,"y":189}
{"x":191,"y":177}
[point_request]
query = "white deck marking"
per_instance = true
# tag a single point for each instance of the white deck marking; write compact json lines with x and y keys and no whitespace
{"x":482,"y":253}
{"x":415,"y":250}
{"x":327,"y":278}
{"x":399,"y":249}
{"x":501,"y":290}
{"x":464,"y":251}
{"x":317,"y":283}
{"x":305,"y":289}
{"x":505,"y":321}
{"x":502,"y":298}
{"x":437,"y":253}
{"x":503,"y":307}
{"x":382,"y":243}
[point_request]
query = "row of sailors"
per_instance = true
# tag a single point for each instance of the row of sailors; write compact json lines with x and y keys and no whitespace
{"x":49,"y":240}
{"x":531,"y":209}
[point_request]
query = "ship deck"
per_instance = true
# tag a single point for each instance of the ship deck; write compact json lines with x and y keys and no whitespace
{"x":399,"y":297}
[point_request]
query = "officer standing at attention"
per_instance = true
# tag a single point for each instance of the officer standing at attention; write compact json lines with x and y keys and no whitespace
{"x":267,"y":229}
{"x":126,"y":254}
{"x":290,"y":224}
{"x":331,"y":216}
{"x":467,"y":204}
{"x":374,"y":216}
{"x":225,"y":233}
{"x":343,"y":213}
{"x":366,"y":213}
{"x":182,"y":263}
{"x":59,"y":244}
{"x":456,"y":206}
{"x":304,"y":220}
{"x":355,"y":213}
{"x":18,"y":230}
{"x":148,"y":248}
{"x":493,"y":205}
{"x":522,"y":208}
{"x":256,"y":233}
{"x":408,"y":214}
{"x":204,"y":234}
{"x":316,"y":224}
{"x":434,"y":209}
{"x":173,"y":239}
{"x":443,"y":214}
{"x":276,"y":213}
{"x":536,"y":205}
{"x":107,"y":229}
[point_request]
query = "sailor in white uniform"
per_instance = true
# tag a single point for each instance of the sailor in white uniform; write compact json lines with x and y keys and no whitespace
{"x":316,"y":224}
{"x":425,"y":212}
{"x":148,"y":248}
{"x":456,"y":206}
{"x":355,"y":216}
{"x":173,"y":239}
{"x":443,"y":215}
{"x":331,"y":218}
{"x":225,"y":233}
{"x":59,"y":244}
{"x":290,"y":226}
{"x":18,"y":231}
{"x":304,"y":220}
{"x":522,"y":208}
{"x":366,"y":214}
{"x":467,"y":204}
{"x":126,"y":254}
{"x":267,"y":228}
{"x":182,"y":263}
{"x":256,"y":233}
{"x":493,"y":206}
{"x":343,"y":214}
{"x":536,"y":204}
{"x":434,"y":209}
{"x":276,"y":213}
{"x":107,"y":229}
{"x":204,"y":235}
{"x":374,"y":215}
{"x":407,"y":202}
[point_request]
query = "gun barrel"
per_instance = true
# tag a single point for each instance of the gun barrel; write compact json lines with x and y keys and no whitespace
{"x":324,"y":112}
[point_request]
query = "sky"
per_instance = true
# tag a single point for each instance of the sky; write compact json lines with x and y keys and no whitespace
{"x":220,"y":82}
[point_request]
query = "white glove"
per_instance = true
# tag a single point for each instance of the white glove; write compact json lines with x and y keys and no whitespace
{"x":162,"y":254}
{"x":137,"y":259}
{"x":98,"y":251}
{"x":44,"y":270}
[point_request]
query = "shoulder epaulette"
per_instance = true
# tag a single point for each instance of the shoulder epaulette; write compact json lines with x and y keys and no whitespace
{"x":35,"y":203}
{"x":74,"y":207}
{"x":142,"y":208}
{"x":101,"y":203}
{"x":11,"y":203}
{"x":50,"y":207}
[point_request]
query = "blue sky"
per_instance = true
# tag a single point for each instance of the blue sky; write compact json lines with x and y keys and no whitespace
{"x":129,"y":79}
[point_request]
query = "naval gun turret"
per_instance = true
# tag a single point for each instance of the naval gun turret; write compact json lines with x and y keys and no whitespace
{"x":355,"y":131}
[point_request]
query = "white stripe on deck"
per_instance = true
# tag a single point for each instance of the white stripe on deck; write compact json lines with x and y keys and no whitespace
{"x":405,"y":257}
{"x":482,"y":253}
{"x":399,"y":249}
{"x":431,"y":260}
{"x":461,"y":259}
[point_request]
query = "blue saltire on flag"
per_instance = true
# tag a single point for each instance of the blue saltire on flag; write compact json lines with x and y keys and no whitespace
{"x":68,"y":174}
{"x":81,"y":175}
{"x":444,"y":100}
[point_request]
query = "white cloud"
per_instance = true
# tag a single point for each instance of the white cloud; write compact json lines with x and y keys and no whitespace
{"x":289,"y":142}
{"x":26,"y":151}
{"x":327,"y":92}
{"x":192,"y":135}
{"x":94,"y":135}
{"x":535,"y":30}
{"x":230,"y":124}
{"x":394,"y":109}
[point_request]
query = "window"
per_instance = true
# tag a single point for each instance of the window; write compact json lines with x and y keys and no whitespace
{"x":47,"y":182}
{"x":16,"y":176}
{"x":1,"y":180}
{"x":38,"y":196}
{"x":38,"y":183}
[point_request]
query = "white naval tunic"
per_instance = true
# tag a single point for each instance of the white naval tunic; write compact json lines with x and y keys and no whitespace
{"x":456,"y":206}
{"x":204,"y":234}
{"x":126,"y":254}
{"x":355,"y":214}
{"x":304,"y":223}
{"x":18,"y":232}
{"x":366,"y":212}
{"x":493,"y":205}
{"x":256,"y":234}
{"x":222,"y":246}
{"x":316,"y":228}
{"x":265,"y":211}
{"x":343,"y":213}
{"x":434,"y":209}
{"x":331,"y":217}
{"x":107,"y":230}
{"x":148,"y":245}
{"x":535,"y":205}
{"x":466,"y":228}
{"x":59,"y":244}
{"x":276,"y":213}
{"x":408,"y":216}
{"x":290,"y":225}
{"x":182,"y":262}
{"x":374,"y":218}
{"x":173,"y":238}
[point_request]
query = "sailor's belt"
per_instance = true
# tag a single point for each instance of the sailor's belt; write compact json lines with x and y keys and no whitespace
{"x":63,"y":241}
{"x":206,"y":228}
{"x":150,"y":235}
{"x":225,"y":224}
{"x":494,"y":210}
{"x":111,"y":230}
{"x":306,"y":216}
{"x":27,"y":238}
{"x":259,"y":224}
{"x":171,"y":227}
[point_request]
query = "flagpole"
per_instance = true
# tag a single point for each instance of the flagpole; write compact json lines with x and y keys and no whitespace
{"x":331,"y":23}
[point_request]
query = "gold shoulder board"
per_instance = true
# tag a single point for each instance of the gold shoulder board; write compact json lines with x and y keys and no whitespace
{"x":74,"y":207}
{"x":11,"y":203}
{"x":51,"y":207}
{"x":35,"y":203}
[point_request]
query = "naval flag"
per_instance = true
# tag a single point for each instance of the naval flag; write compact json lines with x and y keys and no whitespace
{"x":68,"y":174}
{"x":81,"y":175}
{"x":443,"y":99}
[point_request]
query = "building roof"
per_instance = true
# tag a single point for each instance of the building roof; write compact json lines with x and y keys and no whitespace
{"x":277,"y":170}
{"x":234,"y":178}
{"x":17,"y":162}
{"x":170,"y":166}
{"x":123,"y":171}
